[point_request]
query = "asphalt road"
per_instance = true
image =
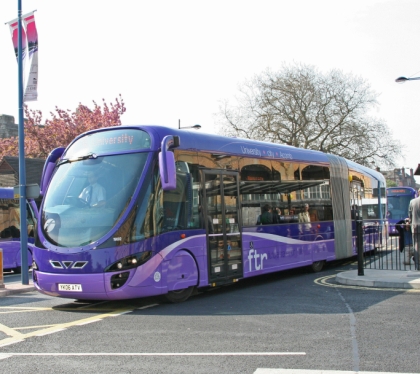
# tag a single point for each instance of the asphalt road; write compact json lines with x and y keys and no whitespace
{"x":290,"y":320}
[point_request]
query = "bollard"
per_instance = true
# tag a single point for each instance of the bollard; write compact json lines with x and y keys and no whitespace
{"x":359,"y":241}
{"x":1,"y":269}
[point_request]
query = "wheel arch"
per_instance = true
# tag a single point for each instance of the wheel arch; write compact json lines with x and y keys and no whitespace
{"x":182,"y":270}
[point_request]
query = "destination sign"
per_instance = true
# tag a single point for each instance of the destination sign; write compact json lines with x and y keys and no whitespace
{"x":118,"y":140}
{"x":400,"y":190}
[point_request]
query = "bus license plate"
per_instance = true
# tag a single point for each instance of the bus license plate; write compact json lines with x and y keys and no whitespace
{"x":70,"y":287}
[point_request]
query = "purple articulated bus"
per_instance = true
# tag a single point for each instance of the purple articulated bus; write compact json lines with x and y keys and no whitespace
{"x":10,"y":226}
{"x":137,"y":211}
{"x":398,"y":200}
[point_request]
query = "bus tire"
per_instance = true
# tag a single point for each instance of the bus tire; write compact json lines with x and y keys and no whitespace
{"x":317,"y":266}
{"x":17,"y":270}
{"x":178,"y":296}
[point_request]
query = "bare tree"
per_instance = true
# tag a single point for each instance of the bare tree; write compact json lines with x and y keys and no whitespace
{"x":302,"y":107}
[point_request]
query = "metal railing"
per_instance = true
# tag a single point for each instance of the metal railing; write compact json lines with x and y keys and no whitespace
{"x":377,"y":250}
{"x":1,"y":269}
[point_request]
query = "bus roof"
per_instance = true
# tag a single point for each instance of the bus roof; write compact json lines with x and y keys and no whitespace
{"x":191,"y":139}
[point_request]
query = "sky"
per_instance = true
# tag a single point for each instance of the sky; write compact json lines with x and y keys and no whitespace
{"x":177,"y":60}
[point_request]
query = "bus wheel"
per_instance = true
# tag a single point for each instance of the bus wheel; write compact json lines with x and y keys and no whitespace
{"x":317,"y":266}
{"x":17,"y":270}
{"x":178,"y":296}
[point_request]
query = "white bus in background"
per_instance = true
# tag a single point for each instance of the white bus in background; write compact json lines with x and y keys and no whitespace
{"x":370,"y":208}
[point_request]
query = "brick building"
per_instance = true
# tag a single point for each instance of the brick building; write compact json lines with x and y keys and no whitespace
{"x":401,"y":177}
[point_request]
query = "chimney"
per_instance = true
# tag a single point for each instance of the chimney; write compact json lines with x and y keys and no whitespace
{"x":412,"y":181}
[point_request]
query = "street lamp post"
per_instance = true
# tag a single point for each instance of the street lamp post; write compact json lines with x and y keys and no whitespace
{"x":195,"y":127}
{"x":405,"y":79}
{"x":416,"y":236}
{"x":22,"y":167}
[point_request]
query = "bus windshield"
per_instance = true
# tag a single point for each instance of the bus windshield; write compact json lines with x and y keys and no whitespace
{"x":398,"y":206}
{"x":86,"y":198}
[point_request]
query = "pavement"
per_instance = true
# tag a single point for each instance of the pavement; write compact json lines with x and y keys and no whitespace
{"x":407,"y":279}
{"x":371,"y":278}
{"x":14,"y":288}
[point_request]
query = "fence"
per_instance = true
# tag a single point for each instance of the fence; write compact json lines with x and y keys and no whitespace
{"x":378,"y":250}
{"x":1,"y":269}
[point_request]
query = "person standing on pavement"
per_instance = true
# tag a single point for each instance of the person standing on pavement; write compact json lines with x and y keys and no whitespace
{"x":405,"y":239}
{"x":414,"y":214}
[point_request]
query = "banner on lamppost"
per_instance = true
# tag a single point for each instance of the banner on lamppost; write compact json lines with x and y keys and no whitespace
{"x":29,"y":54}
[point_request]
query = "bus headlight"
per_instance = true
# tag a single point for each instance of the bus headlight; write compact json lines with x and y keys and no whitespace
{"x":130,"y":262}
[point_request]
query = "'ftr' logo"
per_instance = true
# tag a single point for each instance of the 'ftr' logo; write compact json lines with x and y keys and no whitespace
{"x":258,"y":259}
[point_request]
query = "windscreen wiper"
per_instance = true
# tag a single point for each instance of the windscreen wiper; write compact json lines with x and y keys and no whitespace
{"x":92,"y":156}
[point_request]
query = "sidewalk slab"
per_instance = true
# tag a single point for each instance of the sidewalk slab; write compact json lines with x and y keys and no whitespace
{"x":381,"y":278}
{"x":15,"y":288}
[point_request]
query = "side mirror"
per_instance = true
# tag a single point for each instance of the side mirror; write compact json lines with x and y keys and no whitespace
{"x":49,"y":168}
{"x":167,"y":162}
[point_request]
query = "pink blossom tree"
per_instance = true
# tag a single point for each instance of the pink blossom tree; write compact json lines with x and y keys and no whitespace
{"x":41,"y":138}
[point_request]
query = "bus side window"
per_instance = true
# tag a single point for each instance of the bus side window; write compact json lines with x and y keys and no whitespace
{"x":176,"y":204}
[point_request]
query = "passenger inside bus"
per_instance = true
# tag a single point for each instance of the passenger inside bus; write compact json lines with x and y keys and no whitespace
{"x":305,"y":228}
{"x":267,"y":215}
{"x":292,"y":215}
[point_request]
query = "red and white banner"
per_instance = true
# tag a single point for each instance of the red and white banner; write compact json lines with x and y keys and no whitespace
{"x":29,"y":54}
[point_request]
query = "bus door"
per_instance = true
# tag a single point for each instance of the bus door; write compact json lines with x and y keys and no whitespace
{"x":221,"y":206}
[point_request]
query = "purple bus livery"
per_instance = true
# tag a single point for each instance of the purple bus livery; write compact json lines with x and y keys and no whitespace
{"x":10,"y":226}
{"x":137,"y":211}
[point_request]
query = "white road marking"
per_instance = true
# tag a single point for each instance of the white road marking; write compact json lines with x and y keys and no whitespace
{"x":163,"y":354}
{"x":298,"y":371}
{"x":121,"y":313}
{"x":16,"y":337}
{"x":4,"y":355}
{"x":147,"y":306}
{"x":12,"y":342}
